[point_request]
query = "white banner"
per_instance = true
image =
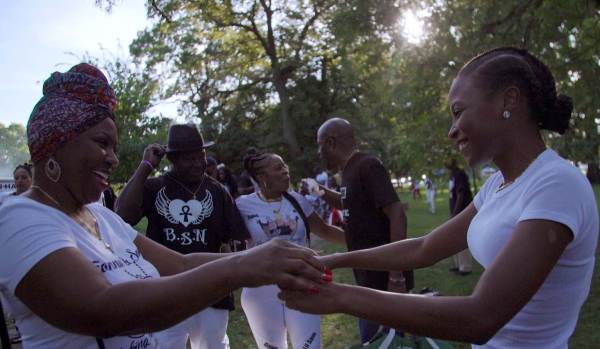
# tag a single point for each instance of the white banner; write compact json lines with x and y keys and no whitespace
{"x":7,"y":185}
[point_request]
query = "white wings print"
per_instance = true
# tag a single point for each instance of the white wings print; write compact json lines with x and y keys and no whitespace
{"x":184,"y":212}
{"x":162,"y":206}
{"x":207,"y":208}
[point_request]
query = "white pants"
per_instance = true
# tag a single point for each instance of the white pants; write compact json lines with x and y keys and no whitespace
{"x":269,"y":319}
{"x":463,"y":261}
{"x":206,"y":330}
{"x":431,"y":200}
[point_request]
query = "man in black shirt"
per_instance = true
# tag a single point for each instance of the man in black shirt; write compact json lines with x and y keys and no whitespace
{"x":371,"y":209}
{"x":187,"y":211}
{"x":460,"y":197}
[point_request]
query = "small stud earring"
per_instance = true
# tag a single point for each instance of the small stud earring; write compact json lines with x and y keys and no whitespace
{"x":506,"y":114}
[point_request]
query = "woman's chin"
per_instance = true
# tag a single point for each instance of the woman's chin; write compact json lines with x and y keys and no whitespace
{"x":90,"y":198}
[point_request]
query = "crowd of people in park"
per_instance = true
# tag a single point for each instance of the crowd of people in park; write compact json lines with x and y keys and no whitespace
{"x":74,"y":273}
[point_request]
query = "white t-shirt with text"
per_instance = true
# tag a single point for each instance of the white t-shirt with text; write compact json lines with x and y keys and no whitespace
{"x":30,"y":231}
{"x":270,"y":220}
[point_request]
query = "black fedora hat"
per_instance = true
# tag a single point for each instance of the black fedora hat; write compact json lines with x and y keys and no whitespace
{"x":185,"y":137}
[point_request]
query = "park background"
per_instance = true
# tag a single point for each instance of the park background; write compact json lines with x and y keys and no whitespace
{"x":267,"y":73}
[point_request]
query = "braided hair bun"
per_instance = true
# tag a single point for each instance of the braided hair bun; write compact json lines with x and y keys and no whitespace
{"x":504,"y":66}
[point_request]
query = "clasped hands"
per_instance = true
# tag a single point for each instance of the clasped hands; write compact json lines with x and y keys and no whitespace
{"x":304,"y":277}
{"x":329,"y":297}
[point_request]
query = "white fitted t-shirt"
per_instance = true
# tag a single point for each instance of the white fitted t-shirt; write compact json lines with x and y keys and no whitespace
{"x":550,"y":189}
{"x":270,"y":220}
{"x":30,"y":231}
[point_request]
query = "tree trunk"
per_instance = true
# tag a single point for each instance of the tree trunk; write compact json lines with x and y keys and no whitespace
{"x":593,"y":173}
{"x":324,"y":98}
{"x":289,"y":132}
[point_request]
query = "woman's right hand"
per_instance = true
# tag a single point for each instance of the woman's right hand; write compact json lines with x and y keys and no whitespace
{"x":313,"y":187}
{"x":280,"y":262}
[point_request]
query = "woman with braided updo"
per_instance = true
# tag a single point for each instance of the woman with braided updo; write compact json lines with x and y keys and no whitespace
{"x":533,"y":226}
{"x":273,"y":213}
{"x":73,"y":273}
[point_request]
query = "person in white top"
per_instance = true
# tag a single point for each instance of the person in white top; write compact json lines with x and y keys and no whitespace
{"x":73,"y":274}
{"x":533,"y":226}
{"x":273,"y":213}
{"x":22,"y":177}
{"x":431,"y":189}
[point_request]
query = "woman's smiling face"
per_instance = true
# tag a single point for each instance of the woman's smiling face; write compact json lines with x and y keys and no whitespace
{"x":88,"y":160}
{"x":476,"y":120}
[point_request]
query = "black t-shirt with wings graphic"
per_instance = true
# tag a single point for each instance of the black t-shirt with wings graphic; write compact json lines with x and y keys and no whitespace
{"x":184,"y":224}
{"x":187,"y":225}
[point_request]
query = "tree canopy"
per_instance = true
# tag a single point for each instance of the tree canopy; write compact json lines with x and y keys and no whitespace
{"x":137,"y":124}
{"x":268,"y":73}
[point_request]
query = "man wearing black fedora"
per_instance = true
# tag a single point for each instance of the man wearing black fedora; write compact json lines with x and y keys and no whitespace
{"x":187,"y":211}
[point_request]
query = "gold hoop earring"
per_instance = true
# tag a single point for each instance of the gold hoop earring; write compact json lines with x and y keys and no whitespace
{"x":52,"y":170}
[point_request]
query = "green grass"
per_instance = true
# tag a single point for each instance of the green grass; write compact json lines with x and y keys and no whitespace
{"x":340,"y":331}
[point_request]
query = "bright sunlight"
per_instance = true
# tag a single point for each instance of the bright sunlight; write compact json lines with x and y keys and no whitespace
{"x":412,"y":26}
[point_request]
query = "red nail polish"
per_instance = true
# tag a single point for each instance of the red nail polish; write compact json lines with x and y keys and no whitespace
{"x":328,"y":271}
{"x":327,"y":277}
{"x":313,"y":290}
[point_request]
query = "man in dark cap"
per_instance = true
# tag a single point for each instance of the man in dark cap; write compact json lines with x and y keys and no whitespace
{"x":187,"y":211}
{"x":370,"y":206}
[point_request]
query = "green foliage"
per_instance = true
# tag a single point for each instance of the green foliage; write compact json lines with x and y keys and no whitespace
{"x":137,"y":126}
{"x":268,"y":73}
{"x":214,"y":53}
{"x":13,"y":148}
{"x":563,"y":34}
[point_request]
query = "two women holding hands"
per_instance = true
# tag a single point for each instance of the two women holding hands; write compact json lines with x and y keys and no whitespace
{"x":73,"y":274}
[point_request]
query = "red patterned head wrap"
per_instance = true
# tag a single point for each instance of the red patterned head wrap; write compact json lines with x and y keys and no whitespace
{"x":72,"y":103}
